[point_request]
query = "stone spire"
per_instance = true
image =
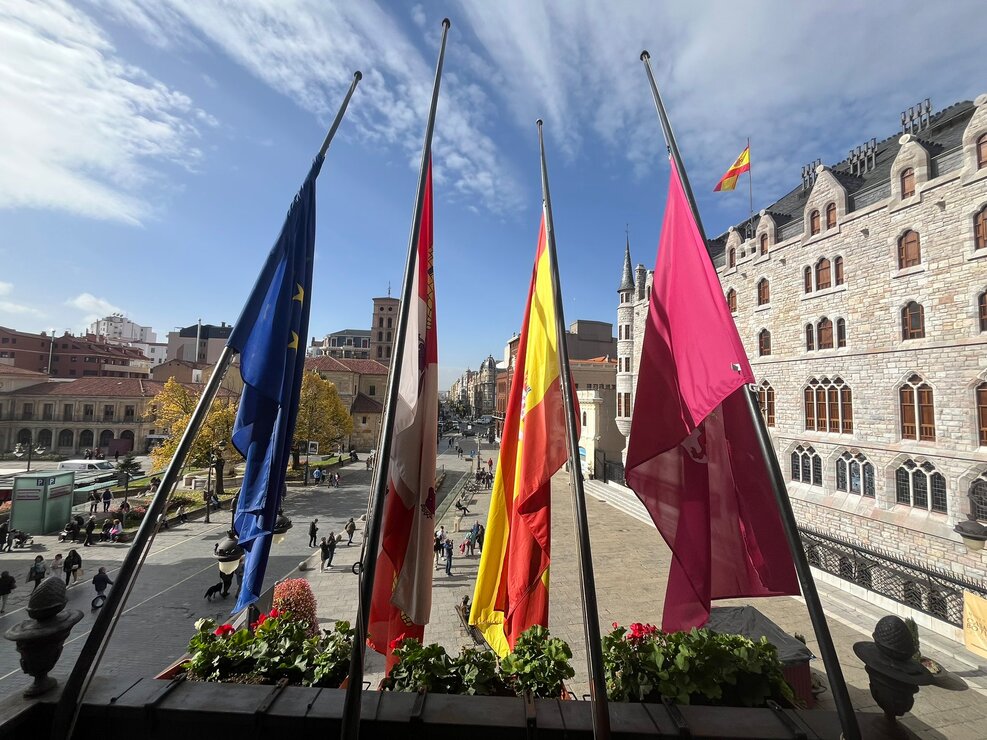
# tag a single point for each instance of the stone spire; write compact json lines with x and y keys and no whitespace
{"x":627,"y":280}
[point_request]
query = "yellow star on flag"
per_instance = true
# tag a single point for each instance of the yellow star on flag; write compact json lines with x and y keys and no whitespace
{"x":300,"y":295}
{"x":293,"y":344}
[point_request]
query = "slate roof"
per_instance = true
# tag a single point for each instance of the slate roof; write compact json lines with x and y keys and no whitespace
{"x":106,"y":388}
{"x":944,"y":133}
{"x":364,"y":404}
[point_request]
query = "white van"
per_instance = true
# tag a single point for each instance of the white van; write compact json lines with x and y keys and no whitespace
{"x":83,"y":465}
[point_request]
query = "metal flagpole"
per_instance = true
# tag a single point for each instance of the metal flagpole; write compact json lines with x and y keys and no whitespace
{"x":750,"y":186}
{"x":371,"y":540}
{"x":848,"y":720}
{"x":70,"y":703}
{"x":587,"y":581}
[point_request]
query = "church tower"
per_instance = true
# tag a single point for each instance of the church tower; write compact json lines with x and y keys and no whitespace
{"x":625,"y":345}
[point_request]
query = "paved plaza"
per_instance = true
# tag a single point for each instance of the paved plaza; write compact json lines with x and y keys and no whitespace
{"x":630,"y":560}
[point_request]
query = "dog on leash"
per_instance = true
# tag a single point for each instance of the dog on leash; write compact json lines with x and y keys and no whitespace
{"x":213,"y":591}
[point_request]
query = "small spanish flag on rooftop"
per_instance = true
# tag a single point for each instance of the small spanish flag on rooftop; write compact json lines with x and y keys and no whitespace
{"x":742,"y":165}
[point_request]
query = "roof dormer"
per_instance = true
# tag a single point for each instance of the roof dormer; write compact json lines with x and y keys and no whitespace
{"x":975,"y":143}
{"x":826,"y":205}
{"x":910,"y":170}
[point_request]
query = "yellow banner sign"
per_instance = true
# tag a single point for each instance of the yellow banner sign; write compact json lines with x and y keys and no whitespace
{"x":975,"y":623}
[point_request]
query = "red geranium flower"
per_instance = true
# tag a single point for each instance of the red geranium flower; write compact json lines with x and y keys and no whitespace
{"x":274,"y":613}
{"x":260,"y":620}
{"x":395,"y":643}
{"x":223,"y":630}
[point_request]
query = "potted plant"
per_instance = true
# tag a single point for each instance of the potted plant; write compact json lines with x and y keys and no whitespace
{"x":538,"y":664}
{"x":697,"y":667}
{"x":277,"y":646}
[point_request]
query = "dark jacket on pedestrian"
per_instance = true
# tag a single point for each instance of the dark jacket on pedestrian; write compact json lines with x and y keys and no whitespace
{"x":312,"y":529}
{"x":90,"y":525}
{"x":100,"y":581}
{"x":72,"y":560}
{"x":7,"y":583}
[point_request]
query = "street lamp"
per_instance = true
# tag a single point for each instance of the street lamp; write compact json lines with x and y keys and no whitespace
{"x":27,"y":448}
{"x":214,"y":458}
{"x":973,"y":533}
{"x":281,"y":526}
{"x":228,"y":553}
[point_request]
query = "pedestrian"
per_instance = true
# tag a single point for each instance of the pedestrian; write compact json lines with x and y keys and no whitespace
{"x":4,"y":530}
{"x":104,"y":533}
{"x":93,"y":502}
{"x":490,"y":464}
{"x":72,"y":567}
{"x":90,"y":526}
{"x":183,"y":514}
{"x":317,"y":476}
{"x":323,"y":555}
{"x":7,"y":584}
{"x":116,"y":456}
{"x":479,"y":537}
{"x":56,"y":564}
{"x":101,"y":581}
{"x":448,"y":549}
{"x":227,"y":580}
{"x":313,"y":529}
{"x":332,"y":549}
{"x":239,"y":575}
{"x":350,"y":529}
{"x":437,"y":549}
{"x":116,"y":531}
{"x":10,"y":541}
{"x":107,"y":498}
{"x":36,"y":572}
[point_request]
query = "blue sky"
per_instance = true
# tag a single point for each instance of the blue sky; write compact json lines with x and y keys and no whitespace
{"x":151,"y":147}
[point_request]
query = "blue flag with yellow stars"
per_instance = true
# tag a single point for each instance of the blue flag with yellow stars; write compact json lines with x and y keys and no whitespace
{"x":270,"y":337}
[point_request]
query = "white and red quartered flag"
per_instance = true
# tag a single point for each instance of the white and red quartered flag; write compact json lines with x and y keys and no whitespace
{"x":402,"y":597}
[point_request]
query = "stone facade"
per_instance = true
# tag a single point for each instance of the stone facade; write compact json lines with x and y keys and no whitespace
{"x":362,"y":386}
{"x":857,"y":337}
{"x":383,"y":328}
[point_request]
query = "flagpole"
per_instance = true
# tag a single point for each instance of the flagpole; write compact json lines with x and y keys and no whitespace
{"x":587,"y":581}
{"x":750,"y":185}
{"x":848,"y":720}
{"x":70,"y":703}
{"x":371,"y":541}
{"x":67,"y":709}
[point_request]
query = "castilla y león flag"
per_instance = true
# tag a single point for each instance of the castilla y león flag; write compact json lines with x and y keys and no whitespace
{"x":402,"y":598}
{"x":693,"y":457}
{"x":511,"y":591}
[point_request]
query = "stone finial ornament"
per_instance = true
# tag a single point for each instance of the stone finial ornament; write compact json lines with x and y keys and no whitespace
{"x":40,"y":638}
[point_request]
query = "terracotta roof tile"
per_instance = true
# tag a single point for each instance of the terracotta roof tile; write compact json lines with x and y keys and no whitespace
{"x":340,"y":365}
{"x":364,"y":404}
{"x":11,"y":370}
{"x":106,"y":387}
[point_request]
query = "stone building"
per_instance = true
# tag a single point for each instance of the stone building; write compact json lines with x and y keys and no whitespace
{"x":361,"y":385}
{"x":198,"y":342}
{"x":383,"y":328}
{"x":861,"y":297}
{"x":596,"y":391}
{"x":486,"y":387}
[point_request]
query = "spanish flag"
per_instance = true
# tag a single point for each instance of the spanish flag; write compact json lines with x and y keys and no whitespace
{"x":511,"y":591}
{"x":742,"y":165}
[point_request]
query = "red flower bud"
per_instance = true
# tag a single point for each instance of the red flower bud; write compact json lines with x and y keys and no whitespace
{"x":223,"y":630}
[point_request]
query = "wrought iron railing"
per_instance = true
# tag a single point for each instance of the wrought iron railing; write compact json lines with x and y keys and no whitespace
{"x":933,"y":591}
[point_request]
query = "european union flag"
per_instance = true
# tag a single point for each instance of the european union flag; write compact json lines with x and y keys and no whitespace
{"x":270,"y":337}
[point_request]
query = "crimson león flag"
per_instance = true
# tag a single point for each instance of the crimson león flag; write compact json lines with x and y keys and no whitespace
{"x":693,"y":457}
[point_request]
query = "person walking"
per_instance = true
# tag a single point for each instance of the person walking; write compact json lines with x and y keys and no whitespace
{"x":479,"y":537}
{"x":437,"y":548}
{"x":37,"y":571}
{"x":490,"y":465}
{"x":72,"y":567}
{"x":317,"y":476}
{"x":313,"y":529}
{"x":93,"y":502}
{"x":56,"y":564}
{"x":101,"y":581}
{"x":350,"y":528}
{"x":448,"y":549}
{"x":90,"y":526}
{"x":7,"y":584}
{"x":107,"y":498}
{"x":323,"y":555}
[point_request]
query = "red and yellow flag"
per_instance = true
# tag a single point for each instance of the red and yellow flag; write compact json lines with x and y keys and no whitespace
{"x":742,"y":165}
{"x":402,"y":598}
{"x":511,"y":591}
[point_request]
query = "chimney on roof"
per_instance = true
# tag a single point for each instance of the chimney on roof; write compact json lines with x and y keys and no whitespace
{"x":917,"y":117}
{"x":809,"y":174}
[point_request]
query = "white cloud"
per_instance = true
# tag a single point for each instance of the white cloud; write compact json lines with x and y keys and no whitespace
{"x":18,"y":309}
{"x":798,"y":78}
{"x":94,"y":308}
{"x":418,"y":15}
{"x":5,"y":288}
{"x":81,"y":128}
{"x":308,"y":49}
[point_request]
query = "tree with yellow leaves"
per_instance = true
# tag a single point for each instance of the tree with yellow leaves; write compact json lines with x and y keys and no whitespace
{"x":322,"y":417}
{"x":171,"y":410}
